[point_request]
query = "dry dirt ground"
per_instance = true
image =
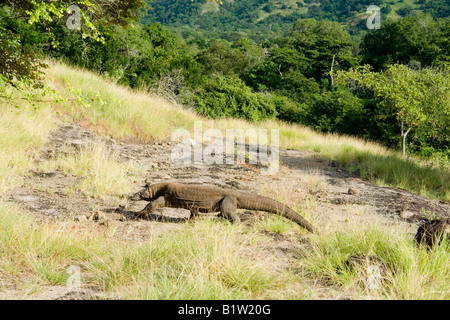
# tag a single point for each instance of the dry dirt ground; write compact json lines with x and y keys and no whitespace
{"x":338,"y":196}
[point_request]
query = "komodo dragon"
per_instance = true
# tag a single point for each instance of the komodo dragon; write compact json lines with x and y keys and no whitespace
{"x":211,"y":199}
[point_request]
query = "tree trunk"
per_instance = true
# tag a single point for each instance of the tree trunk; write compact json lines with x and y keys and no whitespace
{"x":331,"y":72}
{"x":404,"y":134}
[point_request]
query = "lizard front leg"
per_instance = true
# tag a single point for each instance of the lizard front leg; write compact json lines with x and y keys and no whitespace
{"x":152,"y":206}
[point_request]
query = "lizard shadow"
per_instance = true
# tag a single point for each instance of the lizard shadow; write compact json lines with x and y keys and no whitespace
{"x":133,"y":216}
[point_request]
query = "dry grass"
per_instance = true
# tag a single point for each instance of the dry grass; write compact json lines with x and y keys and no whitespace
{"x":204,"y":260}
{"x":210,"y":260}
{"x":101,"y":172}
{"x":116,"y":110}
{"x":22,"y":133}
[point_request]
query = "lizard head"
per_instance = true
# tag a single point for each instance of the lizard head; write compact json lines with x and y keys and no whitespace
{"x":144,"y":194}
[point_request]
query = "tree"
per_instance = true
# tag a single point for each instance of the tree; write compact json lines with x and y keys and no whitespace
{"x":415,"y":97}
{"x":318,"y":42}
{"x":416,"y":40}
{"x":337,"y":110}
{"x":22,"y":65}
{"x":228,"y":60}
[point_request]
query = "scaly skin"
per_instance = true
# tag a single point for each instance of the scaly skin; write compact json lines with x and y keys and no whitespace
{"x":212,"y":199}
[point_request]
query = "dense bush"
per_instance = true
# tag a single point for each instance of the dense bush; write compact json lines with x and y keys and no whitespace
{"x":230,"y":97}
{"x":338,"y":111}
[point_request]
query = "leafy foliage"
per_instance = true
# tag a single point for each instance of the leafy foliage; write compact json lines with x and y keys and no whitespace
{"x":266,"y":19}
{"x":338,"y":111}
{"x":230,"y":97}
{"x":219,"y":57}
{"x":20,"y":63}
{"x":415,"y":97}
{"x":417,"y":41}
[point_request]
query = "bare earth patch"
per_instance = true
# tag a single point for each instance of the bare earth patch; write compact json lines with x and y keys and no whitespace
{"x":330,"y":196}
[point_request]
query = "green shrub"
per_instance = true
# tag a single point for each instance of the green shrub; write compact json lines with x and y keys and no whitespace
{"x":230,"y":97}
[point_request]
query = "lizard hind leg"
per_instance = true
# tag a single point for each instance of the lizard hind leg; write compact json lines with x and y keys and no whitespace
{"x":194,"y":213}
{"x":152,"y":206}
{"x":228,"y":207}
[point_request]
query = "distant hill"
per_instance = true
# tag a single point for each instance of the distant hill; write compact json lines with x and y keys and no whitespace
{"x":263,"y":18}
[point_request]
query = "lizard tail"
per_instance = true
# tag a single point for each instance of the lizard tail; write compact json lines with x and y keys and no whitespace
{"x":269,"y":205}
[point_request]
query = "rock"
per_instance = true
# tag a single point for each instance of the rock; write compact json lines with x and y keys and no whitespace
{"x":164,"y":176}
{"x":44,"y":174}
{"x":432,"y":232}
{"x":105,"y":222}
{"x":77,"y":145}
{"x":374,"y":270}
{"x":355,"y":261}
{"x":406,"y":214}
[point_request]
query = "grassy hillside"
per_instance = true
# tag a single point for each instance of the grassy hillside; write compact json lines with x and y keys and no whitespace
{"x":205,"y":259}
{"x":127,"y":114}
{"x":264,"y":18}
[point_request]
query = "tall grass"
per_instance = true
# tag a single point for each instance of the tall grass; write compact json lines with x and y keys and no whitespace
{"x":210,"y":260}
{"x":116,"y":110}
{"x":406,"y":271}
{"x":204,"y":260}
{"x":22,"y":134}
{"x":100,"y":171}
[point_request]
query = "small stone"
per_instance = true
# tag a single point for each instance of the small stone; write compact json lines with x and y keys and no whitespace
{"x":81,"y":218}
{"x":406,"y":214}
{"x":105,"y":222}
